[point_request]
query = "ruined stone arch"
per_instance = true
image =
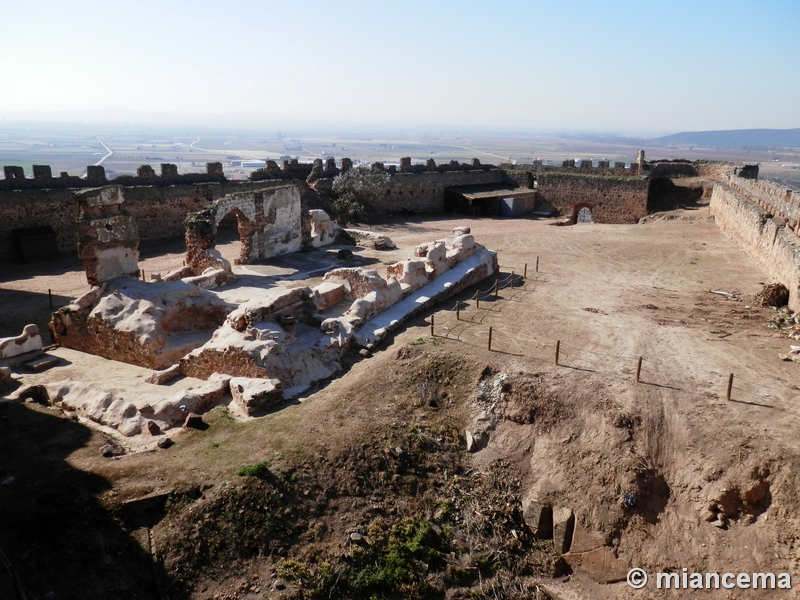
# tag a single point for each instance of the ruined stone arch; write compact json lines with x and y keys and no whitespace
{"x":268,"y":222}
{"x":576,"y":209}
{"x":243,"y":225}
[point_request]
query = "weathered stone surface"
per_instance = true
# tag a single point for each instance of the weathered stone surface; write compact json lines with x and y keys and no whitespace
{"x":147,"y":324}
{"x":328,"y":294}
{"x":274,"y":302}
{"x":178,"y":274}
{"x":172,"y":411}
{"x":323,"y":230}
{"x":563,"y":524}
{"x":538,"y":517}
{"x":256,"y":395}
{"x":165,"y":375}
{"x":370,"y":239}
{"x":584,"y":541}
{"x":601,"y":564}
{"x":265,"y":350}
{"x":30,"y":340}
{"x":108,"y":238}
{"x":6,"y":375}
{"x":211,"y":278}
{"x":268,"y":220}
{"x":476,"y":440}
{"x":97,"y":405}
{"x":41,"y":364}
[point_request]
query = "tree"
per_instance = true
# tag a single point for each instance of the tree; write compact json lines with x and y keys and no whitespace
{"x":357,"y":191}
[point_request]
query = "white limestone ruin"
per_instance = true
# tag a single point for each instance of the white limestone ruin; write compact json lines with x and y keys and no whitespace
{"x":257,"y":344}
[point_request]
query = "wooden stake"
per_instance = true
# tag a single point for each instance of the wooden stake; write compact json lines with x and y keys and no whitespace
{"x":490,"y":338}
{"x":730,"y":386}
{"x":638,"y":369}
{"x":50,"y":297}
{"x":495,"y":288}
{"x":432,"y":326}
{"x":458,"y":311}
{"x":525,"y":271}
{"x":558,"y":349}
{"x":478,"y":299}
{"x":512,"y":279}
{"x":537,"y":264}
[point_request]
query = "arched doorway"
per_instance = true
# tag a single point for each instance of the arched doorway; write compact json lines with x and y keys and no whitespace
{"x":231,"y":235}
{"x":582,"y":213}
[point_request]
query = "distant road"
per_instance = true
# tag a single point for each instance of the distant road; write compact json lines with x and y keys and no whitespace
{"x":247,"y":153}
{"x":508,"y":158}
{"x":192,"y":145}
{"x":109,"y":150}
{"x":102,"y":160}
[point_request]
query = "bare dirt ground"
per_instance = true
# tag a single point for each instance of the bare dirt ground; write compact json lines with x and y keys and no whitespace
{"x":582,"y":434}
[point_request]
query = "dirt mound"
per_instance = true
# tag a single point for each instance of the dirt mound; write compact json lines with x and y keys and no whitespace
{"x":395,"y":513}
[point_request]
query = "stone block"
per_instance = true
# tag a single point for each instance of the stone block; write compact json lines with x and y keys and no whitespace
{"x":41,"y":364}
{"x":30,"y":340}
{"x":563,"y":526}
{"x":585,"y":541}
{"x":601,"y":564}
{"x":173,"y":410}
{"x":476,"y":440}
{"x":327,"y":295}
{"x":539,"y":517}
{"x":256,"y":395}
{"x":165,"y":375}
{"x":323,"y":230}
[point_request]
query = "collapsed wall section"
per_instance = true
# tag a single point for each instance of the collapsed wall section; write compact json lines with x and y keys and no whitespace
{"x":159,"y":211}
{"x":108,"y":239}
{"x":765,"y":238}
{"x":269,"y":223}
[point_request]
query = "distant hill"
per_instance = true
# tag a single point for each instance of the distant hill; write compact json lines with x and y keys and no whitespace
{"x":752,"y":139}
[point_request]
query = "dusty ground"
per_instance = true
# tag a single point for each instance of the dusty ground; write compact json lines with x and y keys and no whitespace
{"x":582,"y":433}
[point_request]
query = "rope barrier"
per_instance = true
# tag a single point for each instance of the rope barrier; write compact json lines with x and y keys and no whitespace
{"x":535,"y":349}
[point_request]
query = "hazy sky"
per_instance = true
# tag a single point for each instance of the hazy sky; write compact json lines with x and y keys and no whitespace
{"x":605,"y":65}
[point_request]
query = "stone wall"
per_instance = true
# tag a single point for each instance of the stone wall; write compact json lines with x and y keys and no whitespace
{"x":766,"y":239}
{"x":611,"y":199}
{"x":268,"y":223}
{"x":96,"y":176}
{"x":424,"y":192}
{"x":159,"y":211}
{"x":776,"y":199}
{"x":108,"y":239}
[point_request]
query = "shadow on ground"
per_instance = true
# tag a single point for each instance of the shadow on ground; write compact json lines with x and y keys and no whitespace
{"x":62,"y":543}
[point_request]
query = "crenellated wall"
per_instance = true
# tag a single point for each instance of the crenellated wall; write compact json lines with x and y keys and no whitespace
{"x":615,"y":193}
{"x":424,"y":192}
{"x":159,"y":211}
